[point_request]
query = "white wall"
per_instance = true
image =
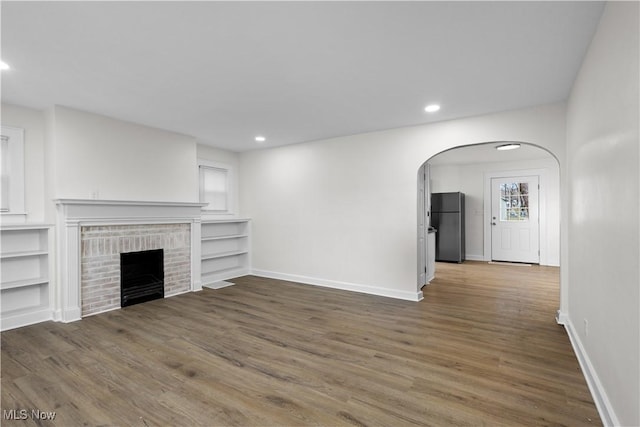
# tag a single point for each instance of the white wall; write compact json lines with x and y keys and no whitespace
{"x":100,"y":157}
{"x":76,"y":154}
{"x":470,"y":179}
{"x":32,"y":121}
{"x":603,"y":141}
{"x":343,"y":211}
{"x":218,"y":155}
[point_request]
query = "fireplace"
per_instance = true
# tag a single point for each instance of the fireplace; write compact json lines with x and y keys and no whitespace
{"x":93,"y":233}
{"x":141,"y":276}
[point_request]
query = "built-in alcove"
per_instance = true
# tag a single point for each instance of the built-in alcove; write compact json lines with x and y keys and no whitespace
{"x":141,"y":276}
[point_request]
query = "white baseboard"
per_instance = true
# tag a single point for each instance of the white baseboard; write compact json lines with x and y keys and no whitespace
{"x":71,"y":315}
{"x":345,"y":286}
{"x":561,"y":318}
{"x":513,"y":264}
{"x":472,"y":257}
{"x":598,"y":393}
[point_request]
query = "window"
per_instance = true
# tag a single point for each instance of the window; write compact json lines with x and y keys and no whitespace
{"x":216,"y":187}
{"x":12,"y":171}
{"x":213,"y":188}
{"x":514,"y":201}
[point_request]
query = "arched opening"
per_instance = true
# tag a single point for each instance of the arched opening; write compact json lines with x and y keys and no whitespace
{"x":471,"y":169}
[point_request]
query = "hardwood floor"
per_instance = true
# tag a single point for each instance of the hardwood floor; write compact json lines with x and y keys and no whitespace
{"x":482,"y":348}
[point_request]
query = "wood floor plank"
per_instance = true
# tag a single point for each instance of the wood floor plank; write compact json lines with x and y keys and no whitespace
{"x":482,"y":348}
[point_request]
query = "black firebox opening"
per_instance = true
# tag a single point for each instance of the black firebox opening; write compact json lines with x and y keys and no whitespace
{"x":141,"y":276}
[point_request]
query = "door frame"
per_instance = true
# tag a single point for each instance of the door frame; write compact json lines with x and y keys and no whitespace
{"x":542,"y":208}
{"x":423,"y":213}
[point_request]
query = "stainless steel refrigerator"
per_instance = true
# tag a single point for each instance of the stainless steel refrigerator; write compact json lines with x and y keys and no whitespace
{"x":447,"y":216}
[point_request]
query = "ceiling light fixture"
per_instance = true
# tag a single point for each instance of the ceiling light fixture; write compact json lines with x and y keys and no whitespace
{"x":505,"y":147}
{"x":260,"y":139}
{"x":432,"y":108}
{"x":4,"y":65}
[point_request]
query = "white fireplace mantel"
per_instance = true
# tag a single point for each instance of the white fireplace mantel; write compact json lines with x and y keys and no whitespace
{"x":72,"y":214}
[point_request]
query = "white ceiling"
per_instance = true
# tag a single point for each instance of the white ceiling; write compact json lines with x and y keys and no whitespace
{"x":225,"y":72}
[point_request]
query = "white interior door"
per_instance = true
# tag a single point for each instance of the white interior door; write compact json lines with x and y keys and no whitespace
{"x":515,"y":225}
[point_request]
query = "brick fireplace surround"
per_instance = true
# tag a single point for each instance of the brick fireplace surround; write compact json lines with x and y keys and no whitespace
{"x":101,"y":247}
{"x":91,"y":234}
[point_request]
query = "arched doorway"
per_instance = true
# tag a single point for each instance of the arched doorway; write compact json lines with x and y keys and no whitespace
{"x":469,"y":169}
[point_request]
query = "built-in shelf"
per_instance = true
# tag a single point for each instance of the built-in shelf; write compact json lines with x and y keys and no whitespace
{"x":20,"y":227}
{"x":223,"y":254}
{"x":25,"y":284}
{"x":234,"y":236}
{"x":225,"y":249}
{"x":23,"y":254}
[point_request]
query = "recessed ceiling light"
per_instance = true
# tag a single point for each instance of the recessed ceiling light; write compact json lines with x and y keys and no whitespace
{"x":505,"y":147}
{"x":260,"y":139}
{"x":432,"y":108}
{"x":4,"y":65}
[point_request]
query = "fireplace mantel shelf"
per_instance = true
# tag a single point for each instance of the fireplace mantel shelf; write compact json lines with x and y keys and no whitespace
{"x":125,"y":203}
{"x":100,"y":211}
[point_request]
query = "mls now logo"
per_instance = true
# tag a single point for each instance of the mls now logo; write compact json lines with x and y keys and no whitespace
{"x":24,"y":414}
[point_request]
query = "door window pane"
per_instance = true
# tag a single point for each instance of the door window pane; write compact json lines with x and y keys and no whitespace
{"x":514,"y":201}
